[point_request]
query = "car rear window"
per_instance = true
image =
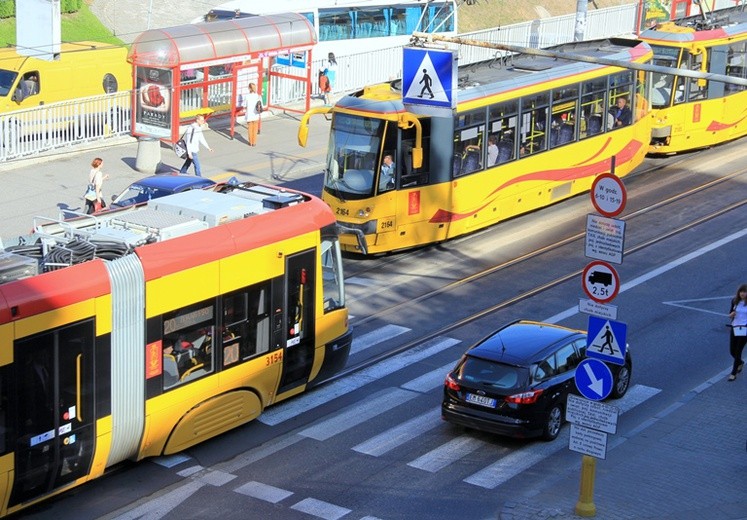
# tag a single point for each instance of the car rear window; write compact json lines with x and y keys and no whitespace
{"x":489,"y":373}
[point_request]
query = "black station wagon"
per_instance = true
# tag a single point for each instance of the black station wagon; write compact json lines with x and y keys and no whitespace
{"x":516,"y":381}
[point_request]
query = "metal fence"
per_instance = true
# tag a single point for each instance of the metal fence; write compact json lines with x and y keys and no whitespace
{"x":58,"y":125}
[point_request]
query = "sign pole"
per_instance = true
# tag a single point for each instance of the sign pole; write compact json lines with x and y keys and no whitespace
{"x":585,"y":506}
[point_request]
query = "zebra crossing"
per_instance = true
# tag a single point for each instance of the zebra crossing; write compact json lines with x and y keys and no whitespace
{"x":433,"y":445}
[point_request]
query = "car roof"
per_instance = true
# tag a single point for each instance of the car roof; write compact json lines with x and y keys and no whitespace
{"x":522,"y":342}
{"x":174,"y":182}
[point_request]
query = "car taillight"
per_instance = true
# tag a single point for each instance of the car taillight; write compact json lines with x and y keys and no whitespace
{"x":524,"y":397}
{"x":451,"y":383}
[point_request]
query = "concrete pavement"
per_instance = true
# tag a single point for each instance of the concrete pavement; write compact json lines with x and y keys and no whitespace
{"x":689,"y":462}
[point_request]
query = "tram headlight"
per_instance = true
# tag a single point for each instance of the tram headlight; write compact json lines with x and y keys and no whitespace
{"x":363,"y":212}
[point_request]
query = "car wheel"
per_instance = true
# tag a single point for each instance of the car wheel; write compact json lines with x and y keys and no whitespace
{"x":621,"y":383}
{"x":553,"y":422}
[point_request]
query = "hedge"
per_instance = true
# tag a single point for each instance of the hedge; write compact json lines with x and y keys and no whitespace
{"x":7,"y":8}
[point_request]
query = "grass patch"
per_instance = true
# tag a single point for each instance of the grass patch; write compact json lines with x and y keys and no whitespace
{"x":82,"y":25}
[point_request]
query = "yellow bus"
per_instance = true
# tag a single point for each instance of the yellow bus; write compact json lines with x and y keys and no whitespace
{"x":527,"y":132}
{"x":144,"y":331}
{"x":697,"y":113}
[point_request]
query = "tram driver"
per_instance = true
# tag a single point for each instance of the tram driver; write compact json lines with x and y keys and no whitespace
{"x":388,"y":169}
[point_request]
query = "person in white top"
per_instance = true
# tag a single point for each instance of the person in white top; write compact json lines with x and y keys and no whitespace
{"x":97,"y":178}
{"x":252,"y":110}
{"x":738,"y":336}
{"x":492,"y":150}
{"x":194,"y":138}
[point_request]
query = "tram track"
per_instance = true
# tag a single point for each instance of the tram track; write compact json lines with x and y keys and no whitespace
{"x":691,"y":224}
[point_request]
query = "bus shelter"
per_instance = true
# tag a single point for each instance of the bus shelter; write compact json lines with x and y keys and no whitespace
{"x":205,"y":68}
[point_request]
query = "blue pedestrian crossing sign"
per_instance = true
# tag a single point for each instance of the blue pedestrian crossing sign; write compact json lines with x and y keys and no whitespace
{"x":593,"y":379}
{"x":605,"y":340}
{"x":429,"y":77}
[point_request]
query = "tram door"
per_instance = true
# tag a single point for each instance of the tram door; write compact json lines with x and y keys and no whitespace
{"x":53,"y":401}
{"x":298,"y":355}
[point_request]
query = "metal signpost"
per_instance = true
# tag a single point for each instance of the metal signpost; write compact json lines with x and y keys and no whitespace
{"x":591,"y":421}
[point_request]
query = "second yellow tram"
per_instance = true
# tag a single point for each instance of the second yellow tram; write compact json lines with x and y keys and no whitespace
{"x":525,"y":133}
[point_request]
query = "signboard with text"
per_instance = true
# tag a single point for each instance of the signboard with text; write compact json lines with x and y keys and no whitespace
{"x":605,"y":238}
{"x":153,"y":98}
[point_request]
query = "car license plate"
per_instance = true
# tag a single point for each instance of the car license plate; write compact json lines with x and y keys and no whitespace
{"x":481,"y":400}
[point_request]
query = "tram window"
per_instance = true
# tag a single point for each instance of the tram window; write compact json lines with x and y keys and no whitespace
{"x":246,"y":324}
{"x":736,"y":65}
{"x":696,"y":89}
{"x":335,"y":24}
{"x":621,"y":87}
{"x":534,"y":124}
{"x":502,"y":127}
{"x":468,"y":150}
{"x":411,"y":176}
{"x":188,"y":343}
{"x":437,"y":15}
{"x":595,"y":118}
{"x":564,"y":116}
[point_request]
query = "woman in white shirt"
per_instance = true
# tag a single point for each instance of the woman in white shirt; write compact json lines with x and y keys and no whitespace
{"x":252,"y":110}
{"x":97,"y":178}
{"x":738,"y":336}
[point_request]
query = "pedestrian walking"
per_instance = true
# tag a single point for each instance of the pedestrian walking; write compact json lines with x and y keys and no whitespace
{"x":738,"y":334}
{"x":96,"y":180}
{"x":331,"y":70}
{"x":324,"y":87}
{"x":194,"y":138}
{"x":252,"y":110}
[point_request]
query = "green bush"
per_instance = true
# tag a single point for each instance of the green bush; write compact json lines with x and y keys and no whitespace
{"x":7,"y":8}
{"x":70,"y":6}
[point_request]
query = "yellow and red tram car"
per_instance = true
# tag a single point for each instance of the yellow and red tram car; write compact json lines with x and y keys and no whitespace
{"x":697,"y":113}
{"x":527,"y":132}
{"x":145,"y":331}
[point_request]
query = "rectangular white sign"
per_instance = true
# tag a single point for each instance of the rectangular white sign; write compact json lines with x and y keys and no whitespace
{"x":592,"y":414}
{"x":588,"y":441}
{"x":605,"y":238}
{"x":597,"y":309}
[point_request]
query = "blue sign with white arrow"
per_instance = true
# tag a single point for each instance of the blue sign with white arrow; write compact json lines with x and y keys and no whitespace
{"x":429,"y":77}
{"x":593,"y":379}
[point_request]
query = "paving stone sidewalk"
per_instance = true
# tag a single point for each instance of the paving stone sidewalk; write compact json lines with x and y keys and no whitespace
{"x":687,"y":463}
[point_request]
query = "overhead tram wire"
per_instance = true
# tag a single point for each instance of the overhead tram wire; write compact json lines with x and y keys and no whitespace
{"x":419,"y":38}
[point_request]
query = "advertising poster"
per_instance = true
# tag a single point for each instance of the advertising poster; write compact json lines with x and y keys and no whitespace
{"x":653,"y":12}
{"x":153,"y":102}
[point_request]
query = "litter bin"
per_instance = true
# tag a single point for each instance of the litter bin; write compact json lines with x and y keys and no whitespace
{"x":148,"y":154}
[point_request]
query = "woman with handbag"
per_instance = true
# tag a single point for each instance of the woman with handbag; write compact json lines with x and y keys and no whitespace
{"x":738,"y":335}
{"x":252,"y":110}
{"x":94,"y":195}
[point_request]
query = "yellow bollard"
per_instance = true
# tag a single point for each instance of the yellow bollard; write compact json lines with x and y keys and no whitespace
{"x":585,"y":505}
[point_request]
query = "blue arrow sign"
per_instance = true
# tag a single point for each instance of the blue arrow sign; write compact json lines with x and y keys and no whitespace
{"x":593,"y":379}
{"x":605,"y":340}
{"x":429,"y":77}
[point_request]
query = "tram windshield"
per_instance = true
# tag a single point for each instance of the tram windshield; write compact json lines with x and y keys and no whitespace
{"x":353,"y":156}
{"x":7,"y":79}
{"x":663,"y":83}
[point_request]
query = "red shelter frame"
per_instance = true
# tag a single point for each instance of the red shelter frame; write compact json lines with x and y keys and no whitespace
{"x":182,"y":71}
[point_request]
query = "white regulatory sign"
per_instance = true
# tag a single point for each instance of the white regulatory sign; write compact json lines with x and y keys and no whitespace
{"x":592,"y":414}
{"x":588,"y":441}
{"x":605,"y":238}
{"x":608,"y":195}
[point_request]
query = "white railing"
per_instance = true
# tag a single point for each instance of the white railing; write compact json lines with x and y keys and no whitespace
{"x":59,"y":125}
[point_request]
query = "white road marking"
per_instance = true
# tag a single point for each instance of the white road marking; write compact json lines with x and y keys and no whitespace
{"x":430,"y":381}
{"x":394,"y":437}
{"x":355,"y":415}
{"x":447,"y":453}
{"x":314,"y":398}
{"x":263,"y":492}
{"x":375,"y":337}
{"x":524,"y":458}
{"x":321,"y":509}
{"x":153,"y":509}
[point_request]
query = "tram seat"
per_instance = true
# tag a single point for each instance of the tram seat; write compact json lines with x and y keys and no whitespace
{"x":471,"y":161}
{"x":170,"y":371}
{"x":566,"y":133}
{"x":505,"y":150}
{"x":594,"y":125}
{"x":193,"y":373}
{"x":457,"y":164}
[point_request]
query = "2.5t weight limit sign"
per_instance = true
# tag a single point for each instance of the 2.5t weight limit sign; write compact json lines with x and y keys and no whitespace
{"x":608,"y":195}
{"x":601,"y":282}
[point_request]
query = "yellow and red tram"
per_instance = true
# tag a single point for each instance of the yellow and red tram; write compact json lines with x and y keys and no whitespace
{"x":145,"y":331}
{"x":525,"y":134}
{"x":697,"y":113}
